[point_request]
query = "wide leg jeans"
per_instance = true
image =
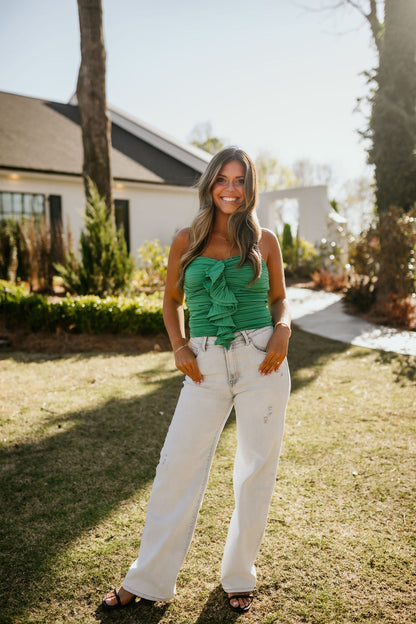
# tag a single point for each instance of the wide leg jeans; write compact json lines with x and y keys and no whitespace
{"x":231,"y":378}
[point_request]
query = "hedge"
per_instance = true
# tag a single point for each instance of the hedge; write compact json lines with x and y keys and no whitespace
{"x":88,"y":314}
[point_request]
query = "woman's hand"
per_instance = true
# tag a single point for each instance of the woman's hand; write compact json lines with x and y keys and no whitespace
{"x":277,"y":349}
{"x":185,"y":361}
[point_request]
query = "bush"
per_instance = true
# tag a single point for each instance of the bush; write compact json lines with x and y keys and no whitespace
{"x":300,"y":257}
{"x":330,"y":256}
{"x":396,"y":232}
{"x":105,"y":267}
{"x":89,"y":314}
{"x":329,"y":281}
{"x":383,"y":259}
{"x":361,"y":292}
{"x":153,"y":266}
{"x":28,"y":251}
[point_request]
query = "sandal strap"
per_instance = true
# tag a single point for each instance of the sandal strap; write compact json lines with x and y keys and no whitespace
{"x":117,"y":597}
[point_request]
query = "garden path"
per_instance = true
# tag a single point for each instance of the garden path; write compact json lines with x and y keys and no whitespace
{"x":322,"y":313}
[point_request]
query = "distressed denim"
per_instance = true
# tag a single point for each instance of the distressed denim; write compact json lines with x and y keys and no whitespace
{"x":231,"y":378}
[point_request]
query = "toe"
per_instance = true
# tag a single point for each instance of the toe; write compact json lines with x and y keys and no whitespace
{"x":110,"y":599}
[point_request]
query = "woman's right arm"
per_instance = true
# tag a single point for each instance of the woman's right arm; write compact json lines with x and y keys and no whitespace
{"x":173,"y":314}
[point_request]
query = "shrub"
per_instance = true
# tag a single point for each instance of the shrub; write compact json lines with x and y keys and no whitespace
{"x":361,"y":292}
{"x":399,"y":310}
{"x":384,"y":267}
{"x":307,"y":258}
{"x":396,"y":253}
{"x":299,"y":256}
{"x":27,"y":251}
{"x":89,"y":314}
{"x":329,"y":281}
{"x":330,"y":256}
{"x":16,"y":290}
{"x":105,"y":267}
{"x":153,"y":266}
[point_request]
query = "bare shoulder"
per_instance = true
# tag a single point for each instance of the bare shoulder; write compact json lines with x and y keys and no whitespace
{"x":181,"y":241}
{"x":269,"y":244}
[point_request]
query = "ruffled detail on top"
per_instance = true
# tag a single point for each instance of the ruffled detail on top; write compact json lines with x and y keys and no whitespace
{"x":223,"y":303}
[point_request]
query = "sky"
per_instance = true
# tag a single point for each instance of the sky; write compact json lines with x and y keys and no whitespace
{"x":276,"y":75}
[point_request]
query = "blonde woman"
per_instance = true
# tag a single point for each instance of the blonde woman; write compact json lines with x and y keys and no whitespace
{"x":231,"y":272}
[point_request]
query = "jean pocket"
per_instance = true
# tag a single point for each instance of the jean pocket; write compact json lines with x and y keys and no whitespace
{"x":259,"y":338}
{"x":195,"y":344}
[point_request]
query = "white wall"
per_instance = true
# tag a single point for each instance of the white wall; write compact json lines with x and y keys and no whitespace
{"x":156,"y":211}
{"x":314,"y":209}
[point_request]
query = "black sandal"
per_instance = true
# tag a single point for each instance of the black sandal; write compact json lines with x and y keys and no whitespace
{"x":236,"y":597}
{"x":119,"y":604}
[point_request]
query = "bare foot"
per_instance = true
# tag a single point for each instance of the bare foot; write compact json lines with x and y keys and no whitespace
{"x":125,"y":597}
{"x":242,"y":601}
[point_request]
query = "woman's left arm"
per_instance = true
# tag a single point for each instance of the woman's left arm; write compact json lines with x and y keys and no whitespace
{"x":278,"y":344}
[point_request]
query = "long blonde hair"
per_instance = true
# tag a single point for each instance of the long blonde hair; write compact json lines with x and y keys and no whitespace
{"x":243,"y":226}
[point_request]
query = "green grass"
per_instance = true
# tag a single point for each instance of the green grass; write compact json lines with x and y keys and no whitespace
{"x":80,"y":440}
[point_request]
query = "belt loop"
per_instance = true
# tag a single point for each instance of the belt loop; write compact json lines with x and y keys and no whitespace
{"x":204,"y":343}
{"x":245,"y":336}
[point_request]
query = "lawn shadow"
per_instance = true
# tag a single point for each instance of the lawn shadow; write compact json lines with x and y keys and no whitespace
{"x":56,"y":488}
{"x":403,"y":366}
{"x":59,"y":487}
{"x":216,"y":609}
{"x":309,"y":351}
{"x":143,"y":611}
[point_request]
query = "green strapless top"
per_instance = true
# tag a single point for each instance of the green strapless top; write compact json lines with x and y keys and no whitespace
{"x":219,"y":300}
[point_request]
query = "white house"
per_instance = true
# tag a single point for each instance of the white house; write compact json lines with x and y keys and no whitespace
{"x":41,"y":170}
{"x":154,"y":175}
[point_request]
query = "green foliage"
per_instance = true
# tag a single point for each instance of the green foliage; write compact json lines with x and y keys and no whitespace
{"x":16,"y":290}
{"x":89,"y":314}
{"x":105,"y":267}
{"x":153,"y":266}
{"x":288,"y":247}
{"x":271,"y":174}
{"x":330,"y":256}
{"x":202,"y":136}
{"x":299,"y":256}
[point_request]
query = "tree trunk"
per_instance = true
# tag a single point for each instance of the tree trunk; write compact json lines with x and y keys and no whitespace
{"x":393,"y":119}
{"x":91,"y":94}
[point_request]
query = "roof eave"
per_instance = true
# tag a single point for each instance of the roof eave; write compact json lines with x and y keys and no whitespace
{"x":188,"y":154}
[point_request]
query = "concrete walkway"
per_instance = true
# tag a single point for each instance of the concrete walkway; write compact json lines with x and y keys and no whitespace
{"x":322,"y":313}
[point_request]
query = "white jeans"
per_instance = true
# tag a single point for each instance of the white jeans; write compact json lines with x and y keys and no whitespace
{"x":231,"y":377}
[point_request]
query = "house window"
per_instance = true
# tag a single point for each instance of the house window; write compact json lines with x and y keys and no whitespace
{"x":121,"y":212}
{"x":19,"y":205}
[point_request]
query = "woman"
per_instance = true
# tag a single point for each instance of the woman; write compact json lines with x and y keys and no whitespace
{"x":231,"y":273}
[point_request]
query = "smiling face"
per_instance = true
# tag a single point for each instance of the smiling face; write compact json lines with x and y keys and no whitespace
{"x":228,"y":189}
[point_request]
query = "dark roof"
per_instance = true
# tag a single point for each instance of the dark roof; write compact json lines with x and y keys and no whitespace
{"x":43,"y":136}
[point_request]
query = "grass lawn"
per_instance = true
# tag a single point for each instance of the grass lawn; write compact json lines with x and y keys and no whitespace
{"x":80,"y":440}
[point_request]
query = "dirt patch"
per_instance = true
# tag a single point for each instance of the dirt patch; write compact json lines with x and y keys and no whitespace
{"x":63,"y":342}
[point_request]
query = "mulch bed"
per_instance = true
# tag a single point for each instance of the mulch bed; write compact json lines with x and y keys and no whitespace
{"x":63,"y":342}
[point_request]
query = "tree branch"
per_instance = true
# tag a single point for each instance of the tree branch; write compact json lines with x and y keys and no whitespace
{"x":371,"y":18}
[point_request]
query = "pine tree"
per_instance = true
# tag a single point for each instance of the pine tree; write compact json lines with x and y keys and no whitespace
{"x":105,"y":267}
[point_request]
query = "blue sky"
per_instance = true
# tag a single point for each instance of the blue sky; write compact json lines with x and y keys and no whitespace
{"x":267,"y":74}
